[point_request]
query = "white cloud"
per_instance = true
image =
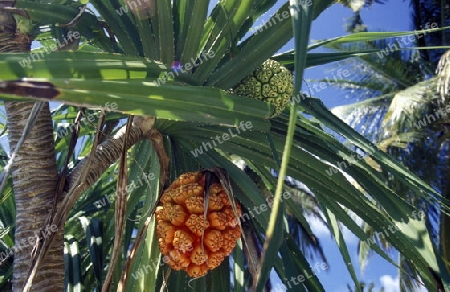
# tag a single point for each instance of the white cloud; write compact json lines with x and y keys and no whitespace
{"x":390,"y":284}
{"x":321,"y":231}
{"x":393,"y":284}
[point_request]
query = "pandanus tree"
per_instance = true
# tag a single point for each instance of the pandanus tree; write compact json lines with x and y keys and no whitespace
{"x":144,"y":88}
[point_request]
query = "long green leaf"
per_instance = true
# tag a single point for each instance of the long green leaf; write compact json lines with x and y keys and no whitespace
{"x":339,"y":238}
{"x":94,"y":240}
{"x":220,"y":32}
{"x":302,"y":15}
{"x":55,"y":14}
{"x":254,"y":51}
{"x":78,"y":65}
{"x":239,"y":267}
{"x":165,"y":25}
{"x":120,"y":24}
{"x":144,"y":269}
{"x":192,"y":16}
{"x":369,"y":36}
{"x":197,"y":104}
{"x":147,"y":37}
{"x":311,"y":281}
{"x":316,"y":59}
{"x":317,"y":108}
{"x":72,"y":267}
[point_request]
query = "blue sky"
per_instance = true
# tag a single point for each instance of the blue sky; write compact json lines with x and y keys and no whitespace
{"x":392,"y":16}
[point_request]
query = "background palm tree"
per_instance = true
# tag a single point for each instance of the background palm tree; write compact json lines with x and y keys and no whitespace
{"x":116,"y":72}
{"x":399,"y":107}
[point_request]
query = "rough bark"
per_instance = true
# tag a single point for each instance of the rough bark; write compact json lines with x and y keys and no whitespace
{"x":34,"y":181}
{"x":109,"y":151}
{"x":34,"y":176}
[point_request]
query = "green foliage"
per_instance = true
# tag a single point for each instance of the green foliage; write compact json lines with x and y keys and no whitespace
{"x":404,"y":113}
{"x":192,"y":108}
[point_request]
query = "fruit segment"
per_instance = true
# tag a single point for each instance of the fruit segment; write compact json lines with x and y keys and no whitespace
{"x":187,"y":239}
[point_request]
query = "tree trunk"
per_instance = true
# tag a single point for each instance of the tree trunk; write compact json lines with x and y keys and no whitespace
{"x":34,"y":182}
{"x":34,"y":175}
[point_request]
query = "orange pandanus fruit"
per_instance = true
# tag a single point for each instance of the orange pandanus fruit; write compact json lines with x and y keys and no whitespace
{"x":187,"y":239}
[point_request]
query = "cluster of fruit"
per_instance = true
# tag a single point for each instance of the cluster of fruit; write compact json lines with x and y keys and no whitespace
{"x":187,"y":239}
{"x":270,"y":82}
